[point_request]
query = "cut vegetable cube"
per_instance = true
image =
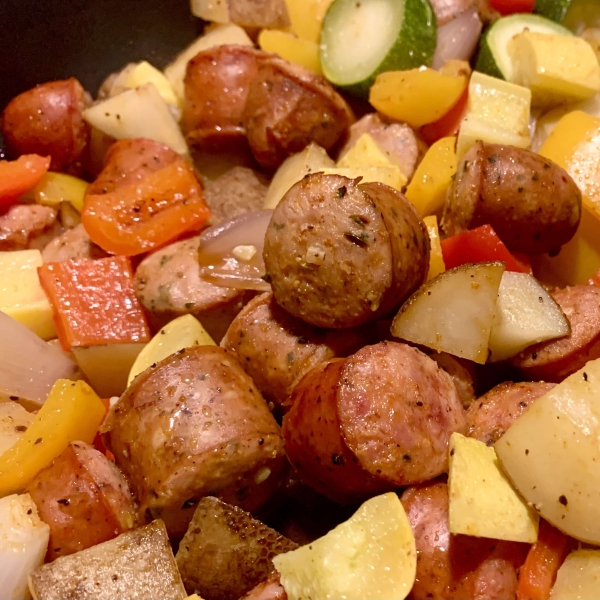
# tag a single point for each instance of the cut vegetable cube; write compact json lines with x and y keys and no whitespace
{"x":557,"y":69}
{"x":306,"y":17}
{"x":364,"y":153}
{"x":21,"y":295}
{"x":14,"y":421}
{"x":391,"y":175}
{"x":94,"y":302}
{"x":144,"y":73}
{"x":247,"y":13}
{"x":23,"y":543}
{"x":578,"y":577}
{"x":483,"y":502}
{"x":55,"y":188}
{"x":72,"y":412}
{"x":497,"y":113}
{"x":292,"y":48}
{"x":137,"y":564}
{"x":436,"y":258}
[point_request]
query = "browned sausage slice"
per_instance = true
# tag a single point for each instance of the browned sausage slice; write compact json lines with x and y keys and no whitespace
{"x":557,"y":359}
{"x":73,"y":244}
{"x":457,"y":567}
{"x":191,"y":426}
{"x":271,"y":589}
{"x":533,"y":204}
{"x":277,"y":350}
{"x":48,"y":120}
{"x":490,"y":416}
{"x":340,"y":254}
{"x":27,"y":226}
{"x":287,"y":108}
{"x":462,"y":373}
{"x":84,"y":499}
{"x":380,"y":419}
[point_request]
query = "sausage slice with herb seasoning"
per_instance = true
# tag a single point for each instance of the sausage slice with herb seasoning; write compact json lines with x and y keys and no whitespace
{"x":340,"y":253}
{"x":533,"y":204}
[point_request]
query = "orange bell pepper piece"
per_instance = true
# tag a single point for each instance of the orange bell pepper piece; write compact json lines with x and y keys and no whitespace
{"x":19,"y":176}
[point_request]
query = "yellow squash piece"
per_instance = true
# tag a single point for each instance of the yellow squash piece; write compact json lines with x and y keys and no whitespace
{"x":558,"y":69}
{"x":55,"y":188}
{"x":418,"y":96}
{"x":288,"y":46}
{"x":364,"y":153}
{"x":181,"y":333}
{"x":427,"y":189}
{"x":574,"y":144}
{"x":144,"y":73}
{"x":372,"y":556}
{"x":21,"y":295}
{"x":497,"y":113}
{"x":391,"y":175}
{"x":306,"y":17}
{"x":483,"y":503}
{"x":578,"y":577}
{"x":436,"y":258}
{"x":72,"y":412}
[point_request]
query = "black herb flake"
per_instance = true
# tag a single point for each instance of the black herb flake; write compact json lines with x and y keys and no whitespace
{"x":165,"y":259}
{"x":278,"y":226}
{"x":520,"y":189}
{"x":493,"y":158}
{"x":341,"y":192}
{"x":38,"y":441}
{"x":290,"y":358}
{"x":357,"y":240}
{"x":64,"y":501}
{"x":20,"y":428}
{"x":338,"y":459}
{"x":563,"y":500}
{"x":189,"y":305}
{"x":189,"y":503}
{"x":535,"y":177}
{"x":266,"y":277}
{"x":585,"y":377}
{"x":359,"y":220}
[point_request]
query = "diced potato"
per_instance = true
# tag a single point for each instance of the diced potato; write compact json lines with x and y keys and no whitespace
{"x":364,"y":153}
{"x":72,"y":412}
{"x":14,"y":421}
{"x":592,"y":36}
{"x":137,"y":564}
{"x":247,"y":13}
{"x":372,"y":555}
{"x":180,"y":333}
{"x":391,"y":175}
{"x":217,"y":36}
{"x":311,"y":160}
{"x":143,"y":73}
{"x":225,"y":552}
{"x":483,"y":503}
{"x":306,"y":17}
{"x":428,"y":187}
{"x":454,"y":312}
{"x":436,"y":258}
{"x":107,"y":367}
{"x":551,"y":454}
{"x":418,"y":96}
{"x":288,"y":46}
{"x":527,"y":314}
{"x":497,"y":113}
{"x":558,"y":69}
{"x":23,"y":544}
{"x":55,"y":188}
{"x":21,"y":295}
{"x":578,"y":577}
{"x":140,"y":112}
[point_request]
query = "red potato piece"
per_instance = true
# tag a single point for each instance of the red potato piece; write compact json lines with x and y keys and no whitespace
{"x":84,"y":499}
{"x":277,"y":350}
{"x":457,"y":567}
{"x":168,"y":284}
{"x":398,"y":141}
{"x":341,"y":254}
{"x":271,"y":589}
{"x":48,"y":120}
{"x":195,"y":425}
{"x":287,"y":108}
{"x":73,"y":244}
{"x":556,"y":359}
{"x":378,"y":420}
{"x":490,"y":416}
{"x":27,"y":226}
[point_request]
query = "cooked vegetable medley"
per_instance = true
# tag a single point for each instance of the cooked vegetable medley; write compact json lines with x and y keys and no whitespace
{"x":313,"y":314}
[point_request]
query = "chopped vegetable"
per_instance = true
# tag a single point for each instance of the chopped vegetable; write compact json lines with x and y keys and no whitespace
{"x":72,"y":412}
{"x":143,"y":73}
{"x":359,"y":40}
{"x":510,"y":7}
{"x":457,"y":39}
{"x":481,"y":244}
{"x":306,"y":17}
{"x":578,"y":577}
{"x":391,"y":175}
{"x":94,"y":302}
{"x":19,"y":176}
{"x":538,"y":574}
{"x":141,"y":216}
{"x":575,"y":15}
{"x":14,"y":421}
{"x":372,"y":555}
{"x":288,"y":46}
{"x":483,"y":503}
{"x":436,"y":259}
{"x":23,"y":543}
{"x":364,"y":153}
{"x":449,"y":124}
{"x":55,"y":188}
{"x":21,"y":295}
{"x":247,"y":13}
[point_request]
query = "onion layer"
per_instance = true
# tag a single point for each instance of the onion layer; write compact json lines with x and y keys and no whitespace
{"x":457,"y":39}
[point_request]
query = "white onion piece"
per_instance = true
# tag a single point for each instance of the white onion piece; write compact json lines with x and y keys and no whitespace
{"x":457,"y":39}
{"x":217,"y":259}
{"x":28,"y":365}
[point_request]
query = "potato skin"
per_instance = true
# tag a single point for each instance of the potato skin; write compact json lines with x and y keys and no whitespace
{"x":48,"y":120}
{"x":455,"y":567}
{"x":192,"y":426}
{"x":84,"y":499}
{"x":533,"y":204}
{"x":287,"y":108}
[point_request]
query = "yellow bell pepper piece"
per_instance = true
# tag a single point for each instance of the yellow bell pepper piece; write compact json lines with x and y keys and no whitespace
{"x":55,"y":188}
{"x":72,"y":412}
{"x":306,"y":17}
{"x":418,"y":96}
{"x":436,"y":258}
{"x":574,"y":144}
{"x":427,"y":189}
{"x":364,"y":153}
{"x":288,"y":46}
